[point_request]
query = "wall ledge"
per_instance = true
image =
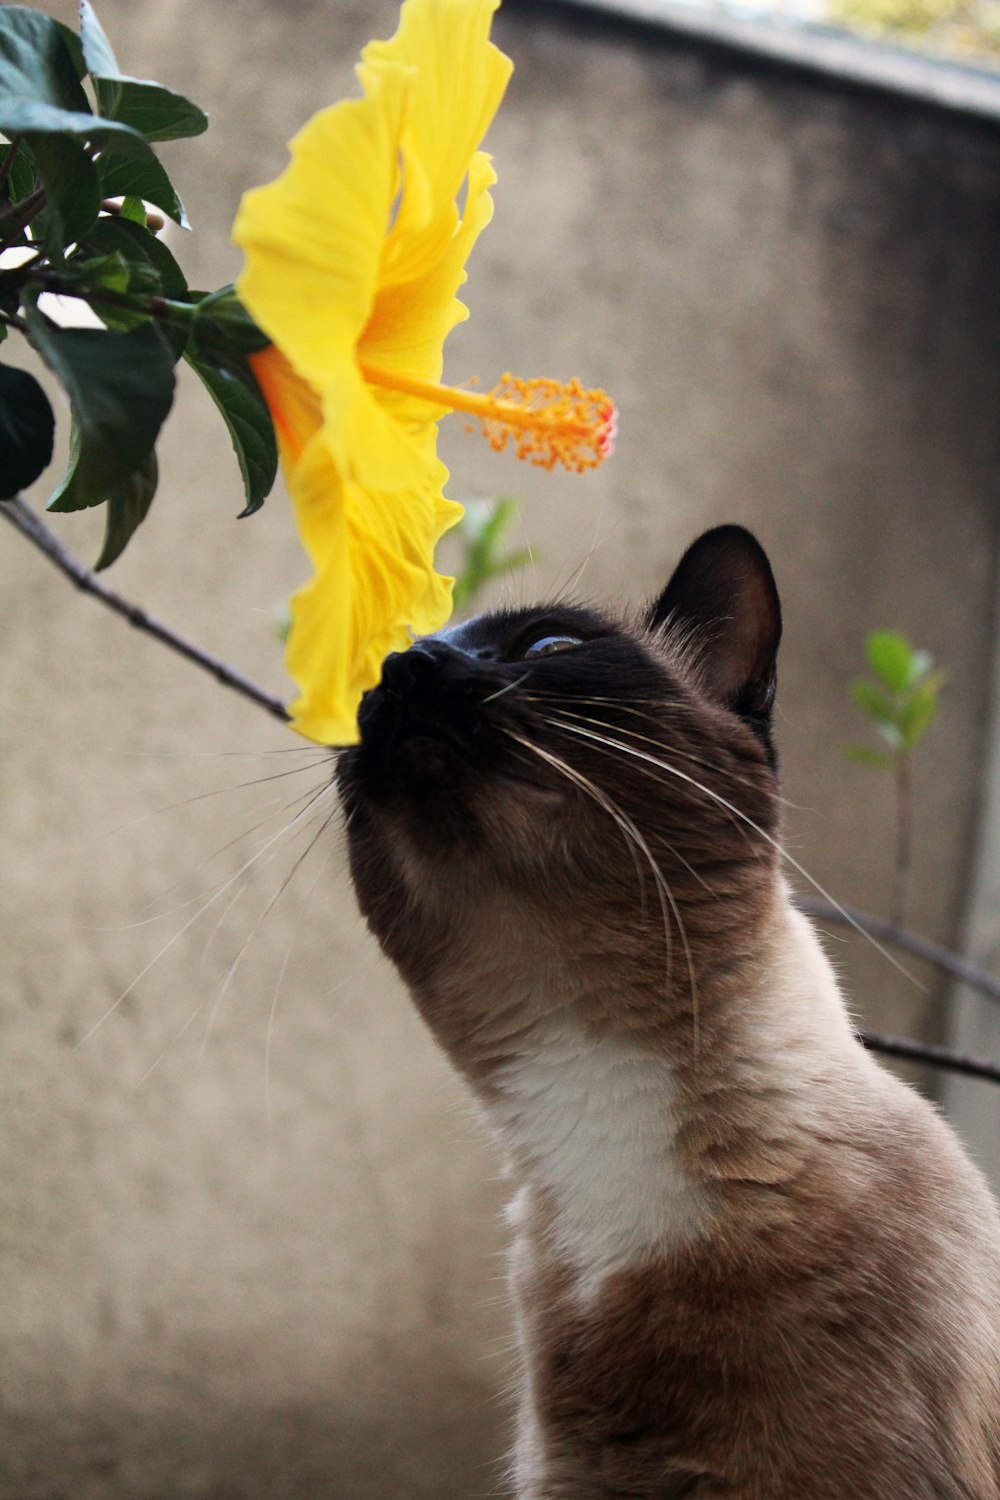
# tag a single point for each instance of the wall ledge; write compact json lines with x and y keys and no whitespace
{"x":784,"y":41}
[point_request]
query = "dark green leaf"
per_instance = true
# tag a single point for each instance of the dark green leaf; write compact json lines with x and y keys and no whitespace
{"x":26,"y":429}
{"x":244,"y":411}
{"x":121,"y":386}
{"x":223,"y":325}
{"x":865,"y":757}
{"x":124,"y":173}
{"x":97,"y":51}
{"x":110,"y":273}
{"x":36,"y":65}
{"x":872,"y":701}
{"x":138,"y":245}
{"x":22,"y":178}
{"x":890,"y":658}
{"x":128,"y":505}
{"x":73,"y":46}
{"x":156,"y":112}
{"x":127,"y":165}
{"x":72,"y":197}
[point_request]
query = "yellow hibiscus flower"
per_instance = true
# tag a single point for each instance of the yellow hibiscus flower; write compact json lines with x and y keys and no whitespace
{"x":353,"y":258}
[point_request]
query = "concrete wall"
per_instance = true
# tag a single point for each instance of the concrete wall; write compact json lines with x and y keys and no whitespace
{"x":250,"y":1229}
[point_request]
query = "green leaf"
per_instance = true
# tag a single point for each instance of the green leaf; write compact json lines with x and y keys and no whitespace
{"x":893,"y":736}
{"x":26,"y":430}
{"x":113,"y":234}
{"x":22,"y":178}
{"x":236,"y":394}
{"x":866,"y":757}
{"x":127,"y":164}
{"x":128,"y":505}
{"x":120,"y":386}
{"x":919,"y":713}
{"x":75,"y":49}
{"x":921,"y":663}
{"x":97,"y":50}
{"x":872,"y":701}
{"x":126,"y":173}
{"x":890,"y":657}
{"x":223,"y":325}
{"x":133,"y":209}
{"x":156,"y":112}
{"x":72,"y":196}
{"x":36,"y":65}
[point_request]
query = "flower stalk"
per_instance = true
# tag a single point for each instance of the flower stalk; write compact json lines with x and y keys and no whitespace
{"x":548,"y":421}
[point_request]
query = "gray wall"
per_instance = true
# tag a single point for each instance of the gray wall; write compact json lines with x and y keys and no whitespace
{"x":271,"y":1266}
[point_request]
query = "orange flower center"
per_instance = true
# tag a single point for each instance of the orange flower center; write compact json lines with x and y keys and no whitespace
{"x":548,"y":422}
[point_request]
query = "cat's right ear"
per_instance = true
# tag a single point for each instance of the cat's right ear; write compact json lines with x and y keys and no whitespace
{"x":722,"y":605}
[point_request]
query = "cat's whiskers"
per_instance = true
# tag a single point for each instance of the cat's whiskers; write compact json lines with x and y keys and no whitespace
{"x":220,"y":891}
{"x":328,"y":790}
{"x":223,"y":849}
{"x":644,"y":712}
{"x":632,"y":837}
{"x":612,"y":746}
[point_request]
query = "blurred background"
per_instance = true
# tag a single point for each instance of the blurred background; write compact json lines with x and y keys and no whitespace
{"x":251,"y":1243}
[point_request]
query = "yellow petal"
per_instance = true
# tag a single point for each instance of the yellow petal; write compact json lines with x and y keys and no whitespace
{"x":295,"y":408}
{"x":374,"y":584}
{"x":411,"y":319}
{"x":461,"y":78}
{"x":313,"y":238}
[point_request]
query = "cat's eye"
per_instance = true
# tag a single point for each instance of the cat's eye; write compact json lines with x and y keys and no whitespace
{"x":546,"y":644}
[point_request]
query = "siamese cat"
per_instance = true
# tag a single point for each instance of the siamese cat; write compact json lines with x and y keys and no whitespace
{"x":747,"y":1261}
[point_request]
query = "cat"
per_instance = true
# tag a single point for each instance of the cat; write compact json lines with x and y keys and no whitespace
{"x":747,"y":1261}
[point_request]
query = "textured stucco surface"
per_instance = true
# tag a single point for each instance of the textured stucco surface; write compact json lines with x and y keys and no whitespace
{"x":250,"y":1228}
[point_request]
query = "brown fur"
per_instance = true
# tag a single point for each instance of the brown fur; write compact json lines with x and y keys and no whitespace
{"x":572,"y":860}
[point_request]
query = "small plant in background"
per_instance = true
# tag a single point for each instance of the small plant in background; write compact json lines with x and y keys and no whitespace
{"x":480,"y":535}
{"x":900,"y":700}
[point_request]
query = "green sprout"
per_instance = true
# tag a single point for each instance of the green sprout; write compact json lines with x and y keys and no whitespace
{"x":480,"y":534}
{"x":900,"y":700}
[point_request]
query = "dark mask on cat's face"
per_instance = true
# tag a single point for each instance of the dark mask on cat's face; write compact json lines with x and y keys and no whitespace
{"x":572,"y":778}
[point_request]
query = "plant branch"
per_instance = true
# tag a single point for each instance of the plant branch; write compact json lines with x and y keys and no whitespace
{"x":22,"y":517}
{"x":908,"y":942}
{"x":15,"y":219}
{"x":936,"y":1057}
{"x":8,"y":158}
{"x":904,"y":837}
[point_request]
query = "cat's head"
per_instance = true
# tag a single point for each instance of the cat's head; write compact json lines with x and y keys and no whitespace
{"x":555,"y":781}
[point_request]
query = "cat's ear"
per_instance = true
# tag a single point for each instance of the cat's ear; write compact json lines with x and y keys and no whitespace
{"x":722,"y":603}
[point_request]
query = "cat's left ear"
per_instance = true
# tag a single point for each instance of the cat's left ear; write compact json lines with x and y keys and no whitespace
{"x":722,"y":603}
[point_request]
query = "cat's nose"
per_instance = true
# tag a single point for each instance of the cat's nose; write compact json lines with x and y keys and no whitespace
{"x":427,"y":666}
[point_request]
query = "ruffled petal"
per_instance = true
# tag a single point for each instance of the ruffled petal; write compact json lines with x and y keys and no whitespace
{"x":410,"y":320}
{"x":295,"y":408}
{"x":313,"y":238}
{"x":460,"y":79}
{"x":374,"y":585}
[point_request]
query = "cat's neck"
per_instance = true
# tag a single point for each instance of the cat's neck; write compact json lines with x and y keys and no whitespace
{"x":624,"y":1142}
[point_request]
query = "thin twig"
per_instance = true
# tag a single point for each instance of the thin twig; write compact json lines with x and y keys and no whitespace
{"x":936,"y":1057}
{"x":8,"y":159}
{"x":908,"y":942}
{"x":21,"y":516}
{"x":904,"y":838}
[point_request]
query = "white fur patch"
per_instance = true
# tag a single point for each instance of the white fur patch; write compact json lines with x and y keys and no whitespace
{"x":593,"y":1121}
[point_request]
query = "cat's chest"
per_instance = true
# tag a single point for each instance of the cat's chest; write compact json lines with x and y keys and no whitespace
{"x":591,"y":1124}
